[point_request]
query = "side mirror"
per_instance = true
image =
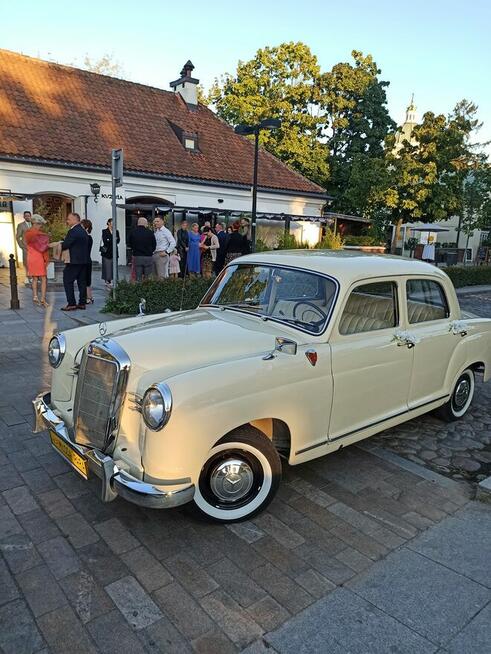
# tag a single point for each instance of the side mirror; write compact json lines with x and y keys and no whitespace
{"x":285,"y":345}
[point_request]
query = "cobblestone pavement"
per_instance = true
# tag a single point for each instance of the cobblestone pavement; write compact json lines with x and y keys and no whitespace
{"x":78,"y":575}
{"x":461,"y":450}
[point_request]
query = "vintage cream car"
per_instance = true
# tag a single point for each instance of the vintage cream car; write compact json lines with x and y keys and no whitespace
{"x":290,"y":354}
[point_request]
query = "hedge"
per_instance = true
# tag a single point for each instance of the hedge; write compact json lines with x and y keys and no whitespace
{"x":469,"y":275}
{"x":159,"y":294}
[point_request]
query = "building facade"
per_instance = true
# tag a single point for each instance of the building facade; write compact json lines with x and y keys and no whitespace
{"x":58,"y":125}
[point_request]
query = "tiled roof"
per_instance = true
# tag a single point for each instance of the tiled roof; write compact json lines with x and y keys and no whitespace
{"x":62,"y":114}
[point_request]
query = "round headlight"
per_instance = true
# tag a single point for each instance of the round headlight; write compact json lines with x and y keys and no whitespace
{"x":56,"y":350}
{"x":157,"y":406}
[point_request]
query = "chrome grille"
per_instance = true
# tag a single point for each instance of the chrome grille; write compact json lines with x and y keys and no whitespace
{"x":100,"y":393}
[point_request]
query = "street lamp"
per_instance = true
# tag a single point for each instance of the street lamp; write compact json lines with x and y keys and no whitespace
{"x":246,"y":130}
{"x":95,"y":189}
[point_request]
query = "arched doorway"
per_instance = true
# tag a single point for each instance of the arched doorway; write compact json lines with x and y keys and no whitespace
{"x":147,"y":206}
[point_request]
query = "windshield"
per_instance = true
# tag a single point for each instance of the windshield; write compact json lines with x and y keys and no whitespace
{"x":295,"y":297}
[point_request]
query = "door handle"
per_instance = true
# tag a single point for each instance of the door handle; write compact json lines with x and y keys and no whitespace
{"x":405,"y":338}
{"x":458,"y":327}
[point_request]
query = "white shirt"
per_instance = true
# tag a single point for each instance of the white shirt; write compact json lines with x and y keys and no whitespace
{"x":165,"y":241}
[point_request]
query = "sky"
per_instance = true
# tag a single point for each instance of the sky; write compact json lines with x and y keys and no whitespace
{"x":439,"y":50}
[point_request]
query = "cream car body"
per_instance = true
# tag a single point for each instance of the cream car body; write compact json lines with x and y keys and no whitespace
{"x":368,"y":367}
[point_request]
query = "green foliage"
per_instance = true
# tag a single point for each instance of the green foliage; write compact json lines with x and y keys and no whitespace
{"x":330,"y":241}
{"x":105,"y":65}
{"x":287,"y":241}
{"x":159,"y":294}
{"x":279,"y":82}
{"x":56,"y":226}
{"x":261,"y":246}
{"x":469,"y":275}
{"x":362,"y":240}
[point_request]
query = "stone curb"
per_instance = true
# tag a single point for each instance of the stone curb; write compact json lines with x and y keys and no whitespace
{"x":410,"y":466}
{"x":483,"y":492}
{"x":485,"y":288}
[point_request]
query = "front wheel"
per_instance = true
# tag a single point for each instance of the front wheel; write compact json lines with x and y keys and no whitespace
{"x":461,"y":399}
{"x":240,"y":477}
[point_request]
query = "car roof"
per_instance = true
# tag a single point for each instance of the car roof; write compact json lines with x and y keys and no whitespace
{"x":346,"y":266}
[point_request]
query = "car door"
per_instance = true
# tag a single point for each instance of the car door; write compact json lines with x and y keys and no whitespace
{"x":428,"y":321}
{"x":371,"y":361}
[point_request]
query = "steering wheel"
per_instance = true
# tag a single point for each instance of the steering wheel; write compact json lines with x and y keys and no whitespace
{"x":310,"y":307}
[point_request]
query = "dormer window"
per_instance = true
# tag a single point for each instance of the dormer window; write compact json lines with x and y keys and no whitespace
{"x":190,"y":143}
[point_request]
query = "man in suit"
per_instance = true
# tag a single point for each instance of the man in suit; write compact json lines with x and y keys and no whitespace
{"x":183,"y":245}
{"x":77,"y":244}
{"x":222,"y":239}
{"x":142,"y":243}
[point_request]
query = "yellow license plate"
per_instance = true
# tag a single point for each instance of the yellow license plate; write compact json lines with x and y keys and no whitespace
{"x":74,"y":459}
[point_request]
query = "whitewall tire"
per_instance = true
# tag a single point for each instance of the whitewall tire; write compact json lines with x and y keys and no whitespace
{"x":461,"y":398}
{"x":239,"y":478}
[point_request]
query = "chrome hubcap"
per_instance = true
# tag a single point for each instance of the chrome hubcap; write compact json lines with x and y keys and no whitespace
{"x":462,"y":393}
{"x":231,"y":480}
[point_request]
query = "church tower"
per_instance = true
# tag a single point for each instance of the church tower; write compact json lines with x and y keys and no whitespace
{"x":405,"y":133}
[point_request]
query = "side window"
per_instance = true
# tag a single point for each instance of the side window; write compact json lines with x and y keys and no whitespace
{"x":425,"y":301}
{"x":370,"y":307}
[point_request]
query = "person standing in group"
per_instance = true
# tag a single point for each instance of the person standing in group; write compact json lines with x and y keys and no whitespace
{"x":174,"y":264}
{"x":208,"y":245}
{"x":183,"y":245}
{"x":19,"y":237}
{"x":142,"y":242}
{"x":220,"y":253}
{"x":166,"y":244}
{"x":106,"y":250}
{"x":237,"y":244}
{"x":87,"y":225}
{"x":76,"y":242}
{"x":194,"y":252}
{"x":37,"y":246}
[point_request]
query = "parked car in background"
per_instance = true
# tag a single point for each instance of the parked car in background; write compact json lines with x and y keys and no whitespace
{"x":290,"y":355}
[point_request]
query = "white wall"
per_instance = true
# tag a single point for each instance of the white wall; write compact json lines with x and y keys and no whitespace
{"x":26,"y":178}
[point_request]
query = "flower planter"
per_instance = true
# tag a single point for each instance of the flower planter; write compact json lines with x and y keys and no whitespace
{"x":374,"y":249}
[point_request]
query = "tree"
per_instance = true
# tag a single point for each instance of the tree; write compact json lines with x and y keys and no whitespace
{"x":105,"y":65}
{"x":279,"y":82}
{"x":476,"y":201}
{"x":355,"y":103}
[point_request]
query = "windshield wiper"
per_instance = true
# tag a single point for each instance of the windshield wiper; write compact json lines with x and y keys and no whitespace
{"x":240,"y":305}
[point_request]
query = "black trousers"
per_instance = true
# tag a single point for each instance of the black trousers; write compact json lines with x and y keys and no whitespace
{"x":75,"y":272}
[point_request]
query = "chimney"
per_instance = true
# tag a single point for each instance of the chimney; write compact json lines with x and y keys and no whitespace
{"x":186,"y":85}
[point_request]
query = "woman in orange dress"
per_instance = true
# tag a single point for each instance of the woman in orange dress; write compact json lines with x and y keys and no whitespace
{"x":38,"y":244}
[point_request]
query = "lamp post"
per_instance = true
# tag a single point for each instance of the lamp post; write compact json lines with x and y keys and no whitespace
{"x":245,"y":130}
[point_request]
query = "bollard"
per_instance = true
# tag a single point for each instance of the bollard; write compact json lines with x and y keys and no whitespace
{"x":14,"y":296}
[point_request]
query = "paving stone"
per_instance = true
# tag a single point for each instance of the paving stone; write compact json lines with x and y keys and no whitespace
{"x":314,"y":494}
{"x":192,"y":576}
{"x":461,"y":543}
{"x":235,"y":622}
{"x":56,"y":504}
{"x":134,"y":602}
{"x":279,"y":531}
{"x":59,"y":556}
{"x":475,"y":636}
{"x":258,"y":647}
{"x":149,"y":572}
{"x":324,"y":518}
{"x":315,"y":583}
{"x":354,"y":559}
{"x":284,"y":590}
{"x":20,"y":500}
{"x":286,"y":560}
{"x":421,"y":594}
{"x":9,"y":525}
{"x":327,"y":565}
{"x":284,"y":512}
{"x":417,"y":520}
{"x":8,"y":588}
{"x":113,"y":636}
{"x":72,"y":484}
{"x":117,"y":536}
{"x":41,"y":590}
{"x":162,"y":636}
{"x":77,"y":530}
{"x":214,"y":642}
{"x":87,"y":598}
{"x":39,"y":526}
{"x":20,"y":553}
{"x":343,"y":622}
{"x":239,"y":585}
{"x":247,"y":530}
{"x":18,"y":632}
{"x":186,"y":614}
{"x":38,"y":480}
{"x":102,"y":564}
{"x":268,"y":613}
{"x":64,"y":633}
{"x":54,"y":464}
{"x":314,"y":534}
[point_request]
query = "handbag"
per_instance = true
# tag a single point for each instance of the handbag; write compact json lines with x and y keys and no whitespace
{"x":103,"y":249}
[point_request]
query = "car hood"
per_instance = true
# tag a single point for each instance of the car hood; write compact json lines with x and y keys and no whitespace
{"x":193,"y":339}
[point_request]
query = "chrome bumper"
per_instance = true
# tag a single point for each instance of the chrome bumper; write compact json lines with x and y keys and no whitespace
{"x":115,"y":481}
